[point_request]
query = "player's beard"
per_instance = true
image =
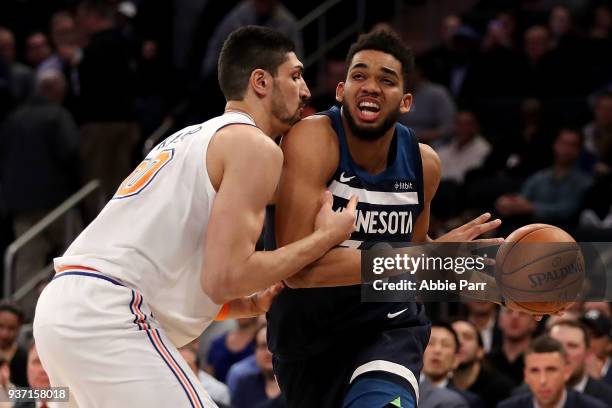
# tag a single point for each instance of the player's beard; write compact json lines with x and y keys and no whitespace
{"x":369,"y":133}
{"x":280,"y":110}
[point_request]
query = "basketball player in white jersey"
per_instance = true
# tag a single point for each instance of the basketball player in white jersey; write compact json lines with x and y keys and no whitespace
{"x":177,"y":241}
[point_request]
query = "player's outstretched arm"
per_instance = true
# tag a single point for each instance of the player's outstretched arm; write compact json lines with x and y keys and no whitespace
{"x":245,"y":166}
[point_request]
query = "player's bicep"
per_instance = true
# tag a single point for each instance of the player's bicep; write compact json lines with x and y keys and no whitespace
{"x":302,"y":184}
{"x":247,"y":185}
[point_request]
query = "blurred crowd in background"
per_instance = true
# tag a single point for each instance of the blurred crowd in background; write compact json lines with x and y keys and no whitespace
{"x":514,"y":95}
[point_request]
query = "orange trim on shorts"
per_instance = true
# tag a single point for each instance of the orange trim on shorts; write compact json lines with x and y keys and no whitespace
{"x":222,"y":315}
{"x":75,"y":267}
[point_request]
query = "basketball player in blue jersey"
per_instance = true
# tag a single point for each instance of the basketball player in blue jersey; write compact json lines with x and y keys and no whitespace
{"x":330,"y":349}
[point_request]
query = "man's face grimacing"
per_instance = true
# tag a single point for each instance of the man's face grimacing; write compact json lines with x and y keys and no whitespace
{"x":289,"y":93}
{"x":373,"y":96}
{"x":546,"y":375}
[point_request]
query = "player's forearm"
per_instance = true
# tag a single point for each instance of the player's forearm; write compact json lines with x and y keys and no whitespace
{"x":338,"y":267}
{"x":265,"y":268}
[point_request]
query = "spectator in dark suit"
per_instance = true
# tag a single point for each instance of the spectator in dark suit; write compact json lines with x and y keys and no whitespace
{"x":440,"y":359}
{"x":472,"y":374}
{"x":546,"y":373}
{"x":257,"y":388}
{"x":575,"y":341}
{"x":517,"y":329}
{"x":599,"y":328}
{"x":483,"y":315}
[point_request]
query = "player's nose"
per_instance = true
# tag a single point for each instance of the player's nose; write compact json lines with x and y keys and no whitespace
{"x":304,"y":91}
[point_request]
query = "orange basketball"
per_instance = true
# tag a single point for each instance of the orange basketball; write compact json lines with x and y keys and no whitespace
{"x":540,"y":269}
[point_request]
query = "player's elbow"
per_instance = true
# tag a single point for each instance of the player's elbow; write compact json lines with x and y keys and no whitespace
{"x":215,"y":286}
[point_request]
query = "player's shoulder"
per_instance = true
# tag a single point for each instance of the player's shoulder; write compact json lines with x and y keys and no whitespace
{"x":429,"y":157}
{"x":248,"y":139}
{"x":314,"y":133}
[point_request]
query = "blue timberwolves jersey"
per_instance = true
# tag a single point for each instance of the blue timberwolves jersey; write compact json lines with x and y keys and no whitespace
{"x":305,"y":321}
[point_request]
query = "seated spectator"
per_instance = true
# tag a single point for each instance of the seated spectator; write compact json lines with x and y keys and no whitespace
{"x":483,"y":315}
{"x":472,"y":374}
{"x":440,"y":359}
{"x":575,"y":340}
{"x":599,"y":328}
{"x":546,"y":374}
{"x":11,"y":320}
{"x":598,"y":133}
{"x":432,"y":111}
{"x":256,"y":388}
{"x":467,"y":149}
{"x":231,"y":347}
{"x":37,"y":49}
{"x":242,"y":368}
{"x":552,"y":195}
{"x":517,"y":329}
{"x":215,"y":388}
{"x":21,"y":76}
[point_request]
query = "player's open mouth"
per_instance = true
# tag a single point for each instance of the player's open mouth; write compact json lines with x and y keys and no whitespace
{"x":368,"y":111}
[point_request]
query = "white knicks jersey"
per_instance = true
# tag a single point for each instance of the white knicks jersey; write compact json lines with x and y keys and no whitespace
{"x":151,"y":235}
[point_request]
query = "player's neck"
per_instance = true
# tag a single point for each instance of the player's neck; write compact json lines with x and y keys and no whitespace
{"x":370,"y":155}
{"x":255,"y":112}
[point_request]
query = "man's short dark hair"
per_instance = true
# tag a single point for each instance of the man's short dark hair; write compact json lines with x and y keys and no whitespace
{"x":473,"y":326}
{"x":446,"y":325}
{"x":6,"y":306}
{"x":545,"y":344}
{"x":574,"y":324}
{"x":247,"y":49}
{"x":387,"y":42}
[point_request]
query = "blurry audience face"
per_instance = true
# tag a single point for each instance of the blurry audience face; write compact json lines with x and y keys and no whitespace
{"x":263,"y":357}
{"x":449,"y":27}
{"x":37,"y":49}
{"x":290,"y":92}
{"x":537,"y":43}
{"x":515,"y":325}
{"x":9,"y":329}
{"x":469,"y":349}
{"x":439,"y":358}
{"x":334,"y":74}
{"x":37,"y":376}
{"x":567,"y":147}
{"x":466,"y":126}
{"x":7,"y":45}
{"x":601,"y":346}
{"x":190,"y":357}
{"x":574,"y":343}
{"x":603,"y":112}
{"x":560,"y":21}
{"x":603,"y":17}
{"x":63,"y":29}
{"x":546,"y":375}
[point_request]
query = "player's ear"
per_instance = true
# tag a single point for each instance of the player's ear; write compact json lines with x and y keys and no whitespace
{"x":260,"y":82}
{"x":340,"y":92}
{"x":406,"y":103}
